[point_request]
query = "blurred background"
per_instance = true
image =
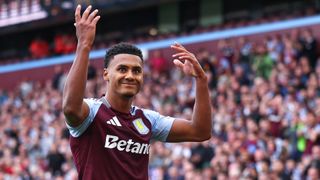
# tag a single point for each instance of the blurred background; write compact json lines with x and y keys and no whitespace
{"x":261,"y":58}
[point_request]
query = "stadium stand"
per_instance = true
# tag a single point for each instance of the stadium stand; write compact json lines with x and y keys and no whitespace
{"x":20,"y":11}
{"x":140,"y":34}
{"x":265,"y":94}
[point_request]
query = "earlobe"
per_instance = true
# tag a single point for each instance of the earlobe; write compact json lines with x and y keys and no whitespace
{"x":105,"y":74}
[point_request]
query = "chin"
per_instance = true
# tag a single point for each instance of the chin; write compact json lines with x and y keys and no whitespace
{"x":129,"y":94}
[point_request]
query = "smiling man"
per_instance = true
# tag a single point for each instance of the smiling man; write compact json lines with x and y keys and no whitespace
{"x":110,"y":138}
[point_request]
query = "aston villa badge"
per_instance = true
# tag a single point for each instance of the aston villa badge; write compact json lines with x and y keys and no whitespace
{"x":140,"y":126}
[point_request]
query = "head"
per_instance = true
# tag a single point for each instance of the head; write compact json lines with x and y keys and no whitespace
{"x":313,"y":173}
{"x":123,"y":70}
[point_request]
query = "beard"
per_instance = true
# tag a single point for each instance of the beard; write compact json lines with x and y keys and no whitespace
{"x":128,"y":95}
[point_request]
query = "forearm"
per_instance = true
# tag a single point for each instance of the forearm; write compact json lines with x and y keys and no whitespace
{"x":74,"y":89}
{"x":201,"y":117}
{"x":199,"y":128}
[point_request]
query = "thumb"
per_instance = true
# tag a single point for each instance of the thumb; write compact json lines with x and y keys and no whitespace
{"x":178,"y":63}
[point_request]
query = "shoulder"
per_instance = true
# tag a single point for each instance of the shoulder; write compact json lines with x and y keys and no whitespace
{"x":94,"y":105}
{"x":153,"y":116}
{"x":98,"y":100}
{"x":148,"y":113}
{"x":93,"y":102}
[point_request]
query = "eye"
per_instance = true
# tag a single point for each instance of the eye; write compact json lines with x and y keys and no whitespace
{"x":122,"y":69}
{"x":136,"y":71}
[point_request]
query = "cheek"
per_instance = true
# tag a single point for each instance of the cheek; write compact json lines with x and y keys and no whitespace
{"x":140,"y":83}
{"x":113,"y":81}
{"x":140,"y":78}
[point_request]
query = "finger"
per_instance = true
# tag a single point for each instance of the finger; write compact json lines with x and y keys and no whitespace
{"x":179,"y":45}
{"x":187,"y":56}
{"x":188,"y":70}
{"x":190,"y":60}
{"x":176,"y":43}
{"x":183,"y":55}
{"x":179,"y":54}
{"x":95,"y":20}
{"x":178,"y":48}
{"x":77,"y":15}
{"x":92,"y":15}
{"x":86,"y":13}
{"x":196,"y":65}
{"x":178,"y":63}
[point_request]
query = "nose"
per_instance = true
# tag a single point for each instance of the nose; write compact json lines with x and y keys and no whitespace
{"x":129,"y":75}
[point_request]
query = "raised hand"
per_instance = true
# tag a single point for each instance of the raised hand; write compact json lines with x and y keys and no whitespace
{"x":187,"y":62}
{"x":86,"y":25}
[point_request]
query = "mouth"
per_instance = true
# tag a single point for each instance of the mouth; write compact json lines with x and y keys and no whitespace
{"x":129,"y":84}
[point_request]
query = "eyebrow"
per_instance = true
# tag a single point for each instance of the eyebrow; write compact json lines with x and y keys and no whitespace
{"x":125,"y":66}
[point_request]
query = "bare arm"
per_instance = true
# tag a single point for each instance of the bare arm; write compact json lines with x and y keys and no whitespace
{"x":74,"y":108}
{"x":199,"y":128}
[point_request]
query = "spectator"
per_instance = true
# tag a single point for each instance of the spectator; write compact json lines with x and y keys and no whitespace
{"x":262,"y":63}
{"x":55,"y":160}
{"x":158,"y":63}
{"x":201,"y":155}
{"x":309,"y":44}
{"x":64,"y":44}
{"x":313,"y":173}
{"x":39,"y":48}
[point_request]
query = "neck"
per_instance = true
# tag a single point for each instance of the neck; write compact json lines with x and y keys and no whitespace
{"x":121,"y":104}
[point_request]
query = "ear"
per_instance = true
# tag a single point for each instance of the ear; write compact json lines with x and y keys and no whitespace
{"x":105,"y":74}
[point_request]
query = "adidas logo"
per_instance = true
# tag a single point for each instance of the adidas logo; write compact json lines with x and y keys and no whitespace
{"x":114,"y":121}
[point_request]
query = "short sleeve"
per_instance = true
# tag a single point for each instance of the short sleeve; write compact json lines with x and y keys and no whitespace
{"x":94,"y":105}
{"x":161,"y":125}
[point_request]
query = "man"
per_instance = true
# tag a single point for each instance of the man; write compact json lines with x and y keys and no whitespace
{"x":110,"y":137}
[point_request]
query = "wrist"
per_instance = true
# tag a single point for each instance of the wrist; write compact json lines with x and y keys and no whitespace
{"x":202,"y":78}
{"x":83,"y":47}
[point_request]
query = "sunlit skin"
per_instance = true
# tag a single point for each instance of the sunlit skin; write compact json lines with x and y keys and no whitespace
{"x":124,"y":76}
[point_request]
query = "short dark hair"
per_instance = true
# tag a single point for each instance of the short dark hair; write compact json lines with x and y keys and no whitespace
{"x":121,"y":48}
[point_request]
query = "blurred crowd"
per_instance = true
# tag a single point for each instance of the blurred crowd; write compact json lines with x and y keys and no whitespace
{"x":265,"y":103}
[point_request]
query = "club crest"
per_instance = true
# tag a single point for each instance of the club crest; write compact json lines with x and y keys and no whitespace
{"x":140,"y":126}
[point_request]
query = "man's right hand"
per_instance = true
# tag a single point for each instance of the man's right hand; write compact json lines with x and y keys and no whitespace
{"x":74,"y":108}
{"x":86,"y":26}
